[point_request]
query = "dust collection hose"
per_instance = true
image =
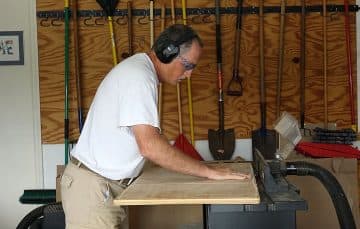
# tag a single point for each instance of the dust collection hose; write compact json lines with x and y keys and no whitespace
{"x":341,"y":204}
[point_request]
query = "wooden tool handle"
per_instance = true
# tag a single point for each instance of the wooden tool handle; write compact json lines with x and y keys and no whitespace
{"x":262,"y":67}
{"x":281,"y":58}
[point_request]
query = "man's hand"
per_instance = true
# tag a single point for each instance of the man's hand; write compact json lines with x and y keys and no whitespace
{"x":221,"y":173}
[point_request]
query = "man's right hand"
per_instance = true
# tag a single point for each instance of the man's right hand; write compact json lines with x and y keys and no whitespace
{"x":222,"y":173}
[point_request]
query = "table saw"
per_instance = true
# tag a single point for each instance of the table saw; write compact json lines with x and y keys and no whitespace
{"x":266,"y":199}
{"x":279,"y":201}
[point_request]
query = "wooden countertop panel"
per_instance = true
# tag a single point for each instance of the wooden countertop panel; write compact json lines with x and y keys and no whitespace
{"x":159,"y":186}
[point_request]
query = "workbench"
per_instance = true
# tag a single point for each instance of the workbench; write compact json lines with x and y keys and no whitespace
{"x":226,"y":203}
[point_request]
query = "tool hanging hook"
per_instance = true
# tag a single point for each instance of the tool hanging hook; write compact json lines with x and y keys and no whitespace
{"x":89,"y":18}
{"x":97,"y":21}
{"x":334,"y":16}
{"x":122,"y":20}
{"x":54,"y":22}
{"x":207,"y":17}
{"x":144,"y":19}
{"x":197,"y":19}
{"x":43,"y":20}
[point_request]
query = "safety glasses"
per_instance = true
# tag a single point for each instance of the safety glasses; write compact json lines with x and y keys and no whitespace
{"x":187,"y":64}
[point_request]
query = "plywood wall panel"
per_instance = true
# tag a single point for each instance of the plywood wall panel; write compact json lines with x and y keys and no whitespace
{"x":241,"y":113}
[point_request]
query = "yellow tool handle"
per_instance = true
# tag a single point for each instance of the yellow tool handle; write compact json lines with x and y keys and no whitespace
{"x":161,"y":85}
{"x":113,"y":46}
{"x":183,"y":3}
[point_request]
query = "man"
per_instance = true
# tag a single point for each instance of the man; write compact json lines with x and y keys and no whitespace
{"x":122,"y":130}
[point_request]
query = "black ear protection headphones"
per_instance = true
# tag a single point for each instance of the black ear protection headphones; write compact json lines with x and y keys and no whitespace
{"x":168,"y":52}
{"x":167,"y":47}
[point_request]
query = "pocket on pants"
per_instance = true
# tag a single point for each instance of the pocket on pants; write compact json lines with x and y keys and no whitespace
{"x":104,"y":194}
{"x":106,"y":214}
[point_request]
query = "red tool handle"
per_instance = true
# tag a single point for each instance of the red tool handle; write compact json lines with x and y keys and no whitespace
{"x":349,"y":61}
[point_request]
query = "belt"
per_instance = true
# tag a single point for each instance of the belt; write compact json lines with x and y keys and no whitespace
{"x":125,"y":181}
{"x":79,"y":164}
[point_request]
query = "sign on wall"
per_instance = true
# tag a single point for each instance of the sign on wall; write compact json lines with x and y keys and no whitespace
{"x":11,"y":48}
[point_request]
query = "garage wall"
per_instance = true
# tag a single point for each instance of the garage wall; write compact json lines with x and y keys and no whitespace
{"x":241,"y":113}
{"x":20,"y":152}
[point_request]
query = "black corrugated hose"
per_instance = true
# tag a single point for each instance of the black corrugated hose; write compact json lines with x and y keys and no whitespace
{"x":341,"y":204}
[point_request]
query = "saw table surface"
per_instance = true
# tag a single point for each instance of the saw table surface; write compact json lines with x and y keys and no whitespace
{"x":159,"y":186}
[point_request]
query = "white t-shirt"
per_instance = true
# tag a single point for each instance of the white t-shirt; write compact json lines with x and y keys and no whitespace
{"x":126,"y":97}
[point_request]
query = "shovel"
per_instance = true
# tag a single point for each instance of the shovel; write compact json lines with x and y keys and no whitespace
{"x":262,"y":139}
{"x":221,"y":141}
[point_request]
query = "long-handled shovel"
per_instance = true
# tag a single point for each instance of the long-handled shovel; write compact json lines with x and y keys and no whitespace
{"x":235,"y":87}
{"x":181,"y":142}
{"x":221,"y":141}
{"x":109,"y":7}
{"x":263,"y":139}
{"x":349,"y":64}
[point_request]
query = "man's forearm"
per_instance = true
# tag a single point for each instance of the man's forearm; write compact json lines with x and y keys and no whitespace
{"x":174,"y":159}
{"x":156,"y":148}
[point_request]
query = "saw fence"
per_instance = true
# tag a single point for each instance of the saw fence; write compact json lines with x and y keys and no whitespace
{"x":241,"y":112}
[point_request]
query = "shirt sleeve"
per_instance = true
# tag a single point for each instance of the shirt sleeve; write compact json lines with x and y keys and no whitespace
{"x":138,"y":103}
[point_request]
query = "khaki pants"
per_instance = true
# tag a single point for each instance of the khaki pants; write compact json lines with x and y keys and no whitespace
{"x":87,"y":199}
